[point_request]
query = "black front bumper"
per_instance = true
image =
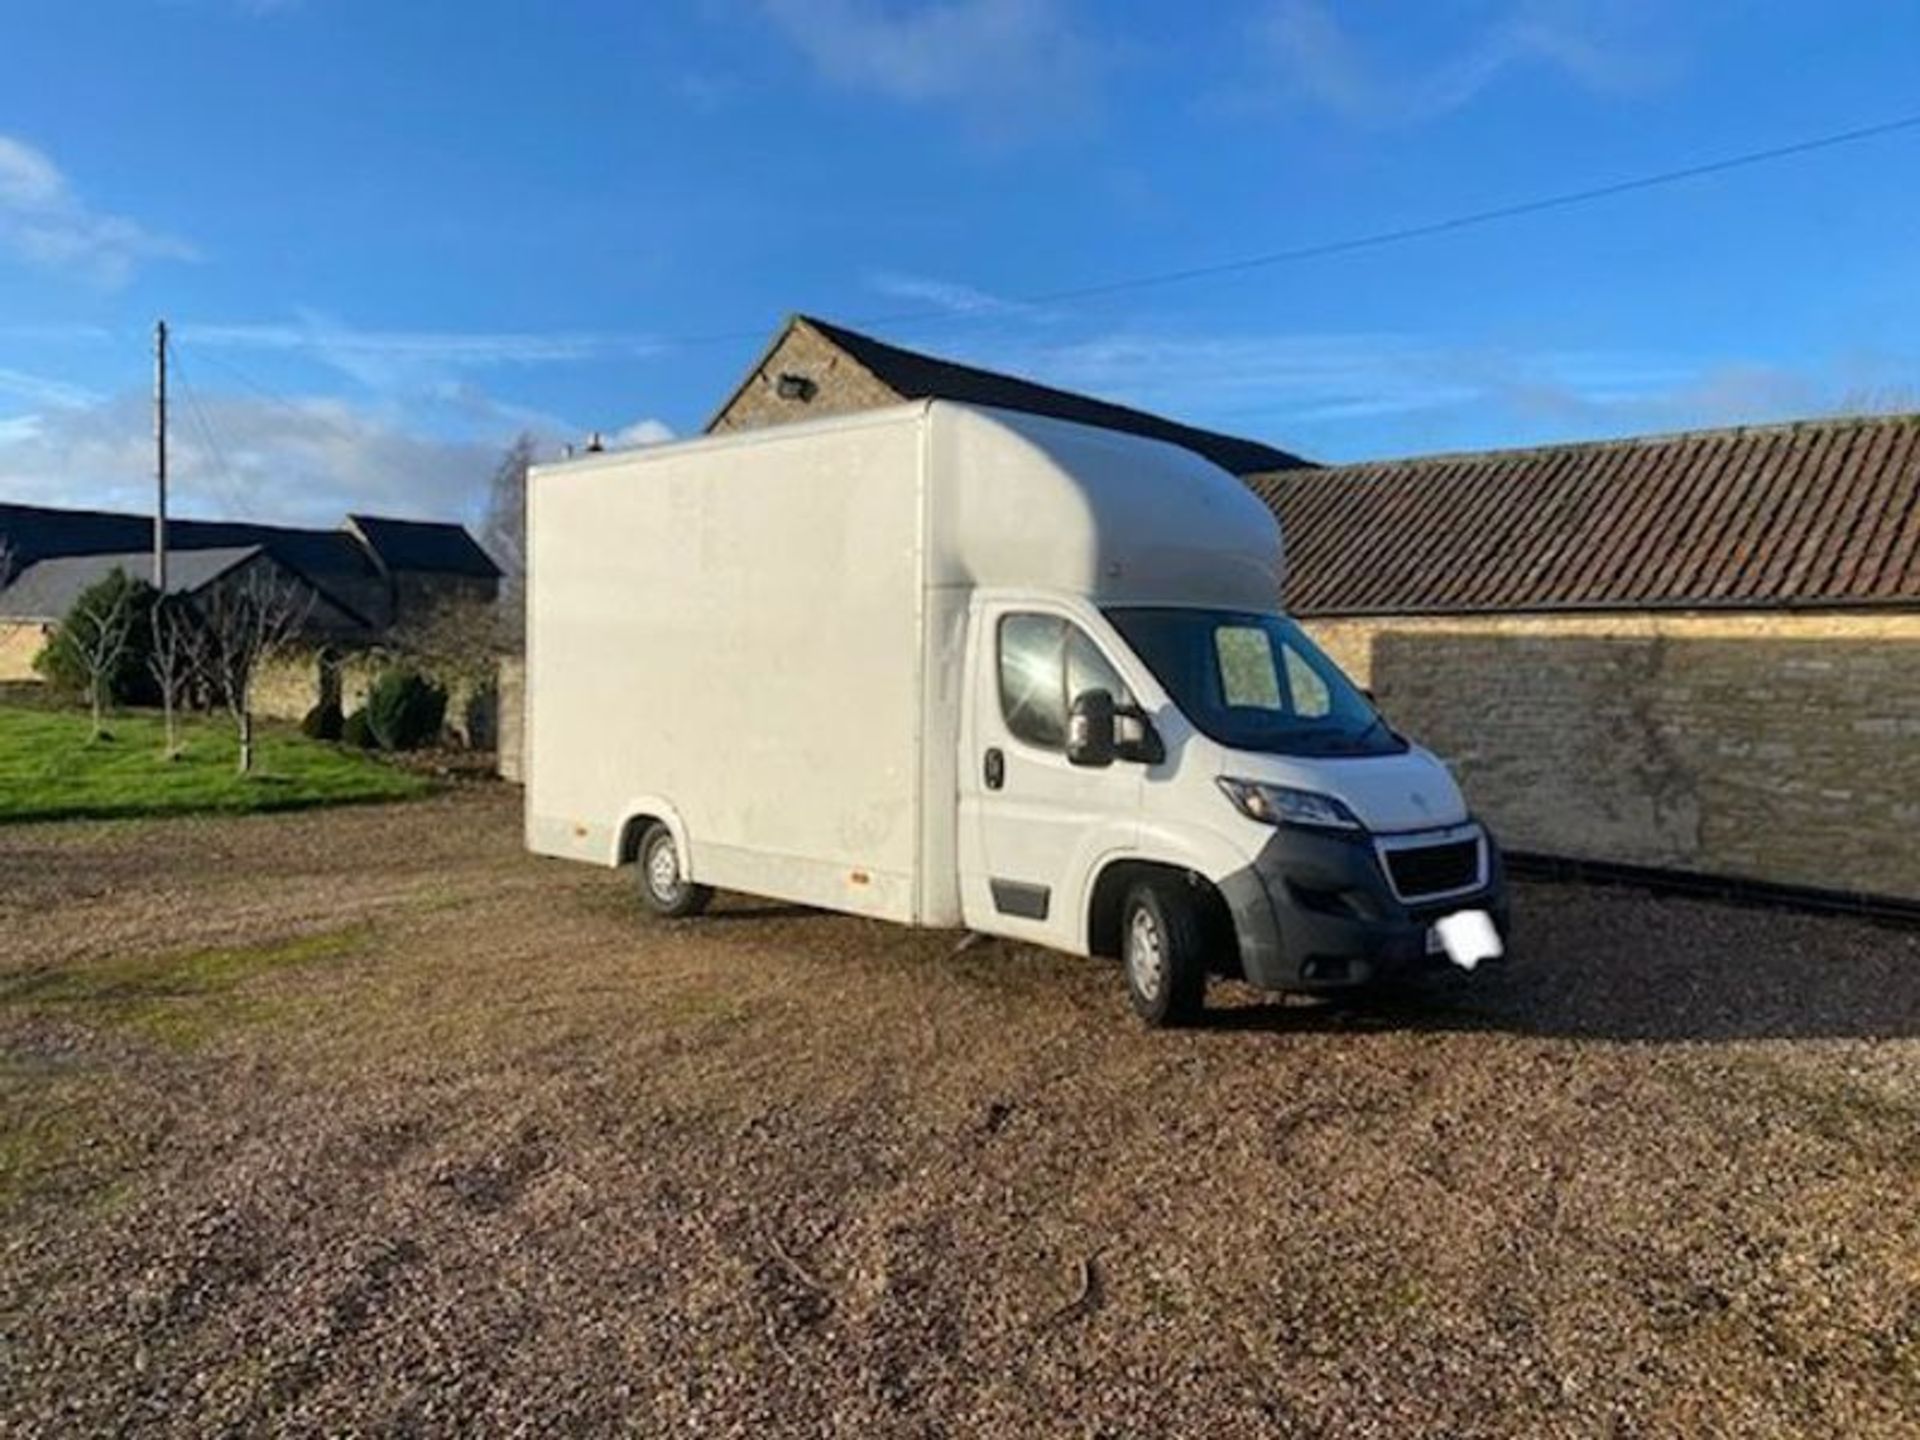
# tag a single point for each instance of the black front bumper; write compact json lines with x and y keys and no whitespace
{"x":1315,"y":911}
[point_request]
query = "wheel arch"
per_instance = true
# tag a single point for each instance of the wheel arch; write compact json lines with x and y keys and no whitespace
{"x":636,"y":816}
{"x":1201,"y":859}
{"x":1108,"y":894}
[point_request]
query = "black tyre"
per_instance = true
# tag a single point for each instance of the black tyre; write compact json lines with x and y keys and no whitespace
{"x":663,"y":877}
{"x":1163,"y":949}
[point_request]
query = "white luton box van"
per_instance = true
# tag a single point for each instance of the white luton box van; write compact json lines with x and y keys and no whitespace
{"x":954,"y":666}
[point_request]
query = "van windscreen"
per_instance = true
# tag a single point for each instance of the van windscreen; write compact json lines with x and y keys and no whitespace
{"x":1254,"y":682}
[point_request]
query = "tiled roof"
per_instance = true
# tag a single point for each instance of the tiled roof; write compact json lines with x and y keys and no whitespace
{"x":429,"y":545}
{"x":1823,"y":512}
{"x":46,"y":589}
{"x":914,"y":376}
{"x":37,"y":532}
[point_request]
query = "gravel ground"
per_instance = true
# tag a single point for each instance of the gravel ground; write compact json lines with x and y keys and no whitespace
{"x":365,"y":1121}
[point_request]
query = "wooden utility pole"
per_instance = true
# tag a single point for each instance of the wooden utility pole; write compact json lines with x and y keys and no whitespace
{"x":160,"y":456}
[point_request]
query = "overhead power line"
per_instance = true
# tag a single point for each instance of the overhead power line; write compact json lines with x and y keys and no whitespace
{"x":199,"y":414}
{"x":1486,"y":217}
{"x":213,"y":358}
{"x":1323,"y":249}
{"x":1272,"y":259}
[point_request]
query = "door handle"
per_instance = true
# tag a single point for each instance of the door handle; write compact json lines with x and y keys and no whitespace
{"x":994,"y":768}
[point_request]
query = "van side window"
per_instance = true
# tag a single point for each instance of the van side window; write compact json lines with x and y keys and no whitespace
{"x":1033,"y":678}
{"x":1045,"y":664}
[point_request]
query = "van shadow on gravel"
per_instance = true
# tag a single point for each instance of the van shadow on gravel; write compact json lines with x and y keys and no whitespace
{"x":764,"y":910}
{"x":1711,"y":974}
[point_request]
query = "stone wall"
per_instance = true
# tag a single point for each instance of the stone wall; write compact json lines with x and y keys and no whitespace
{"x":288,"y":687}
{"x":511,"y":697}
{"x":20,"y":641}
{"x":1770,"y":746}
{"x":840,"y":385}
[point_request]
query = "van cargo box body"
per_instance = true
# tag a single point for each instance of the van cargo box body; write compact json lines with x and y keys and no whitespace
{"x":762,"y":634}
{"x":956,"y":666}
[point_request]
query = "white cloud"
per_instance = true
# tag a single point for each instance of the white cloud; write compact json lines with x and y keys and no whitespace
{"x":43,"y":390}
{"x":1318,"y":60}
{"x":392,"y":359}
{"x":304,"y":460}
{"x":44,"y":222}
{"x":1003,"y":63}
{"x":1212,"y":379}
{"x":1344,"y":392}
{"x":947,"y":295}
{"x":640,"y":432}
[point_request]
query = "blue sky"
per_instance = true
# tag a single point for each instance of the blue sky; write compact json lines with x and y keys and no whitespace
{"x":391,"y":235}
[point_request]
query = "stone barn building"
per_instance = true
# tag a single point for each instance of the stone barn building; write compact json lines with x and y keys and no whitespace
{"x":813,"y":369}
{"x":362,"y":581}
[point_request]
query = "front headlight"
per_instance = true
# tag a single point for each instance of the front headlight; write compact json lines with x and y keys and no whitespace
{"x":1283,"y":805}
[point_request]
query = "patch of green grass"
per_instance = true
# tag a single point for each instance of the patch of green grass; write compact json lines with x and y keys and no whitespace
{"x":702,"y":1005}
{"x":52,"y":769}
{"x":180,"y":1001}
{"x":32,"y":1143}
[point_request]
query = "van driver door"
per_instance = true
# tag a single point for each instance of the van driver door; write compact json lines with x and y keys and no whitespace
{"x":1031,"y":823}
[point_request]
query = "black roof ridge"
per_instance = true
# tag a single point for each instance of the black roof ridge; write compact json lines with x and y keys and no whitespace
{"x":1147,"y":420}
{"x":88,"y":512}
{"x":358,"y":516}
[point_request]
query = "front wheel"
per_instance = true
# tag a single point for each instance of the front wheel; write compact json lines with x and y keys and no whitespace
{"x":1164,"y":948}
{"x":664,"y":885}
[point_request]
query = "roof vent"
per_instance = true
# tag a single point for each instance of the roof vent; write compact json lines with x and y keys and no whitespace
{"x":795,"y":387}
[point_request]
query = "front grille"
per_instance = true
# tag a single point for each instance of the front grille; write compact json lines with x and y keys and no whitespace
{"x":1434,"y":869}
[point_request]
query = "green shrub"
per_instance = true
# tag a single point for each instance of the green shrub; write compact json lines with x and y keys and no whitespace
{"x":405,"y":710}
{"x":355,"y":731}
{"x":129,"y":682}
{"x":323,"y":722}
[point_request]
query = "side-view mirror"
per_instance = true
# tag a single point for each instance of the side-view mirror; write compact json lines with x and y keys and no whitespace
{"x":1090,"y":729}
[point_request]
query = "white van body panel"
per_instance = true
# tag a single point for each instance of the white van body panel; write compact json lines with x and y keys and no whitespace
{"x":1390,"y":793}
{"x":1041,"y":507}
{"x":688,"y":619}
{"x":764,"y":638}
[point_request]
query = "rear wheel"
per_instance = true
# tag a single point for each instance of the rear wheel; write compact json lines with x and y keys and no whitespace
{"x":664,"y":885}
{"x":1163,"y":946}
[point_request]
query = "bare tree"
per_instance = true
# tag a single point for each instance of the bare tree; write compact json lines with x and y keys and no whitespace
{"x":173,"y":659}
{"x":505,"y":534}
{"x":98,"y":628}
{"x":460,"y":639}
{"x":245,"y":623}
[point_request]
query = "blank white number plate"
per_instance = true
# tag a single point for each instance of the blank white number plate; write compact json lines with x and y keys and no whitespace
{"x":1466,"y":938}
